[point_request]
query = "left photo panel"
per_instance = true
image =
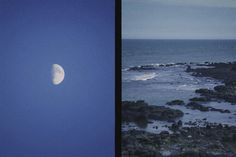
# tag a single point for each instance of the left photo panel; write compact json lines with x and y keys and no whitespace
{"x":57,"y":81}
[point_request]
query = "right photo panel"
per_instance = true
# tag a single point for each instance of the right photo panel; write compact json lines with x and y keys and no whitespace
{"x":178,"y":78}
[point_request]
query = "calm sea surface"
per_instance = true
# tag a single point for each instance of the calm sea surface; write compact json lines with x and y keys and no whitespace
{"x":139,"y":52}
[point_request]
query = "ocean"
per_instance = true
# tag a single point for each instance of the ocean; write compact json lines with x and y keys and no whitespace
{"x":149,"y":51}
{"x":167,"y":79}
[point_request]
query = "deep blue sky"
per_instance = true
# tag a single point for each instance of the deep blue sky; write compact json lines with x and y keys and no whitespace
{"x":179,"y":19}
{"x":75,"y":118}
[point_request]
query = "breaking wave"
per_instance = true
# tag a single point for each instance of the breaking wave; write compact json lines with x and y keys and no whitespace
{"x":144,"y":77}
{"x":152,"y":66}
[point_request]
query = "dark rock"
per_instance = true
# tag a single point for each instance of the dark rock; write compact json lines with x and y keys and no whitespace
{"x":227,"y":93}
{"x":175,"y":102}
{"x":220,"y":110}
{"x":180,"y":63}
{"x":200,"y":99}
{"x":220,"y":126}
{"x":135,"y":112}
{"x":222,"y":71}
{"x":155,"y":127}
{"x":164,"y":134}
{"x":204,"y":91}
{"x":163,"y":113}
{"x":196,"y":106}
{"x":220,"y":88}
{"x":170,"y":64}
{"x":208,"y":127}
{"x":141,"y":121}
{"x":188,"y":68}
{"x":210,"y":141}
{"x":150,"y":122}
{"x":141,"y":113}
{"x":233,"y":68}
{"x":231,"y":83}
{"x":226,"y":111}
{"x":143,"y":68}
{"x":171,"y":121}
{"x":180,"y":123}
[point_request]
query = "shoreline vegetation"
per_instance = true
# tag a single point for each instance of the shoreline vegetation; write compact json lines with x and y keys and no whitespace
{"x":209,"y":140}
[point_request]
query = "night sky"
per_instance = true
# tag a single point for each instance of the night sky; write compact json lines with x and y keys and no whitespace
{"x":75,"y":118}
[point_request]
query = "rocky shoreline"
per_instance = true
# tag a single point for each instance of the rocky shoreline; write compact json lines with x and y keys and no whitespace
{"x":225,"y":72}
{"x":141,"y":113}
{"x":210,"y":140}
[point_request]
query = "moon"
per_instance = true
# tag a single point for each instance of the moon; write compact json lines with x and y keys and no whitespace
{"x":58,"y":74}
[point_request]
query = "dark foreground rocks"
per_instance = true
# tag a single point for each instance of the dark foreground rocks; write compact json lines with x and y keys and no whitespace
{"x":140,"y":112}
{"x":210,"y":141}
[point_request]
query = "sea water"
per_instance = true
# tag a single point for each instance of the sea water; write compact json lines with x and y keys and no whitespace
{"x":165,"y":83}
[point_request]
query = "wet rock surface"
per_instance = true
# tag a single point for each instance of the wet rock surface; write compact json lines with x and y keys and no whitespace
{"x":195,"y":105}
{"x":209,"y":141}
{"x":199,"y":99}
{"x":224,"y":92}
{"x":175,"y":102}
{"x":222,"y":71}
{"x":140,"y":112}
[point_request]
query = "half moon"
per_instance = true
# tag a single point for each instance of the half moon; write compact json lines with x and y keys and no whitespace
{"x":58,"y":74}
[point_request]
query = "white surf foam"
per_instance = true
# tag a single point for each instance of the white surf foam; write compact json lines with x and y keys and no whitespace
{"x":144,"y":77}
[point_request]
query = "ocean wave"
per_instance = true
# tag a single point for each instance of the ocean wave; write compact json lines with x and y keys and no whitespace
{"x":144,"y":77}
{"x":144,"y":67}
{"x":156,"y":66}
{"x":152,"y":66}
{"x":187,"y":87}
{"x":125,"y":69}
